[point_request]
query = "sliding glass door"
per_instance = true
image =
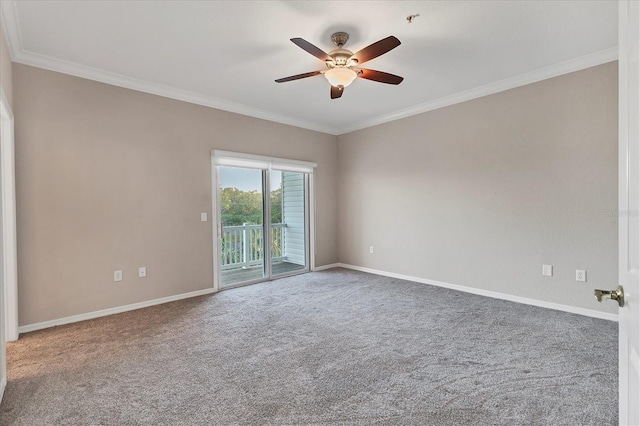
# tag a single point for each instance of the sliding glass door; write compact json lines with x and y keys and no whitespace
{"x":288,"y":222}
{"x":263,"y":222}
{"x":241,"y":208}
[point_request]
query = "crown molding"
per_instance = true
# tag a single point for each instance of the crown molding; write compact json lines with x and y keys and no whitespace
{"x":9,"y":20}
{"x":10,"y":27}
{"x":70,"y":68}
{"x":566,"y":67}
{"x":11,"y":23}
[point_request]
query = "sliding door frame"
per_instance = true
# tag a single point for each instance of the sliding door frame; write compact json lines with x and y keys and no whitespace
{"x":266,"y":164}
{"x":307,"y":227}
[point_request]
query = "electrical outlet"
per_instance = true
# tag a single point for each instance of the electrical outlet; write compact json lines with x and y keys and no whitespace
{"x":581,"y":275}
{"x":117,"y":276}
{"x":142,"y":272}
{"x":547,"y":270}
{"x":203,"y":217}
{"x":371,"y":249}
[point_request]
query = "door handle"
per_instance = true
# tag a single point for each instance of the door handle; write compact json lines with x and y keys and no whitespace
{"x":618,"y":295}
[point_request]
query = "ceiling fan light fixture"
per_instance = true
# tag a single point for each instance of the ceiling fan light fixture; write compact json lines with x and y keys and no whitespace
{"x":341,"y":63}
{"x":340,"y":76}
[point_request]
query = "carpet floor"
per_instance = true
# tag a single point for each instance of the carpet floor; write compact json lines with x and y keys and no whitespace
{"x":336,"y":347}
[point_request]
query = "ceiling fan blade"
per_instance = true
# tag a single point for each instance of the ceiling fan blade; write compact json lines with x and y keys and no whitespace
{"x":379,"y":76}
{"x":336,"y":92}
{"x":315,"y":51}
{"x":297,"y":77}
{"x":376,"y":49}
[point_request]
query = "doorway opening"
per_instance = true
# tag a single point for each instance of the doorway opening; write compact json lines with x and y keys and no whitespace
{"x":8,"y":253}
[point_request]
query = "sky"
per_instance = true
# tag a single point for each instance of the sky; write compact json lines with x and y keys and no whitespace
{"x":246,"y":179}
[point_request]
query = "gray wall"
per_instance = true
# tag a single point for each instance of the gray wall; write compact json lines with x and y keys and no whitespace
{"x":478,"y":194}
{"x":110,"y":178}
{"x":482,"y":193}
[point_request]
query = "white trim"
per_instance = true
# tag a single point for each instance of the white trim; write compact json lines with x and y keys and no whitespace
{"x":488,"y":293}
{"x":69,"y":68}
{"x":3,"y":385}
{"x":262,"y":162}
{"x":215,"y":224}
{"x":3,"y":306}
{"x":111,"y":311}
{"x":329,"y":266}
{"x":18,"y":54}
{"x":9,"y":245}
{"x":267,"y":234}
{"x":57,"y":65}
{"x":11,"y":27}
{"x":5,"y":105}
{"x":312,"y":223}
{"x":566,"y":67}
{"x":307,"y":222}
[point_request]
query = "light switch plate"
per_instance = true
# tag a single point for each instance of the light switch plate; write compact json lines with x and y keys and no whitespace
{"x":547,"y":270}
{"x":142,"y":272}
{"x":203,"y":217}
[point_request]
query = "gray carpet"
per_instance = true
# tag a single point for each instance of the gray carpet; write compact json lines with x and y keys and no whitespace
{"x":335,"y":347}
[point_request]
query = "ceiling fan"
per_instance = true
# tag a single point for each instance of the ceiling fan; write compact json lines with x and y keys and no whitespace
{"x":343,"y":65}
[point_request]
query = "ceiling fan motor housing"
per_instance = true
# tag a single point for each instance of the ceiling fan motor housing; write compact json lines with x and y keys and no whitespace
{"x":340,"y":58}
{"x":339,"y":38}
{"x":340,"y":55}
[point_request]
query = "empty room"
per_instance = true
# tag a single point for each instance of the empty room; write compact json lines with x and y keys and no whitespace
{"x":319,"y":212}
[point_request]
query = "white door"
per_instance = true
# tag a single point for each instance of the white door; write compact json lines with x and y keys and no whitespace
{"x":629,"y":207}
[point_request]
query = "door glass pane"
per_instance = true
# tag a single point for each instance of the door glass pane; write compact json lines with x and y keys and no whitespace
{"x":288,"y":222}
{"x":241,"y":214}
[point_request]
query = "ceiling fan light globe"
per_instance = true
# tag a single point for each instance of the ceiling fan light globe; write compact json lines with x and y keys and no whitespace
{"x":340,"y":76}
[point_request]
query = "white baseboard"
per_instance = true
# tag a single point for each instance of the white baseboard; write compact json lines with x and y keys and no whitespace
{"x":111,"y":311}
{"x":488,"y":293}
{"x":324,"y":267}
{"x":481,"y":292}
{"x":3,"y":385}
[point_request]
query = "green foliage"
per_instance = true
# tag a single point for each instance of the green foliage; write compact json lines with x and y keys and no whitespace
{"x":276,"y":205}
{"x":238,"y":207}
{"x":230,"y":254}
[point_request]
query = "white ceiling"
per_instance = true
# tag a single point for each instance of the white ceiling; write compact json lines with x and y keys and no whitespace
{"x":227,"y":54}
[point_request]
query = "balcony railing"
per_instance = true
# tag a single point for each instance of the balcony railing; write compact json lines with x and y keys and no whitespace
{"x":243,"y":246}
